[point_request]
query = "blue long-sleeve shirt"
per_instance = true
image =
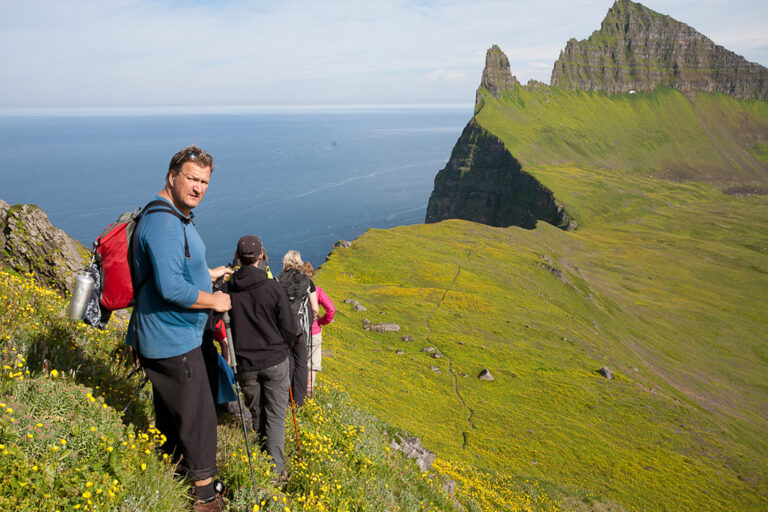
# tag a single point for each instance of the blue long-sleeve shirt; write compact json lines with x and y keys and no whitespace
{"x":165,"y":325}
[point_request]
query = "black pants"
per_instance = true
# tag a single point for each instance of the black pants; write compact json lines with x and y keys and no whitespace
{"x":298,"y":357}
{"x":184,"y":411}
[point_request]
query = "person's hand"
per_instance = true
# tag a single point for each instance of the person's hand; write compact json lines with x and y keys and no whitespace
{"x":221,"y":302}
{"x":220,"y":271}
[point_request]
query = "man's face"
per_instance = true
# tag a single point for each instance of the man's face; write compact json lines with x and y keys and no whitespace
{"x":188,"y":187}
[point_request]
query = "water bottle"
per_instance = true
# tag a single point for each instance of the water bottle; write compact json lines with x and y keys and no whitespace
{"x":83,"y":286}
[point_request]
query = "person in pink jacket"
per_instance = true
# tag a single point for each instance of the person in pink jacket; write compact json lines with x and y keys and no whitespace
{"x":314,"y":355}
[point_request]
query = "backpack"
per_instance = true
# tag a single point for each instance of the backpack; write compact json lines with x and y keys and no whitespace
{"x":296,"y":286}
{"x":111,"y":264}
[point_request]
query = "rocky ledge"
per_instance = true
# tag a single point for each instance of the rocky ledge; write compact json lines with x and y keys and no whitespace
{"x":30,"y":243}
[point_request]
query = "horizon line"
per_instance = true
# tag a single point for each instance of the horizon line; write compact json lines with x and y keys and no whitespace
{"x":212,"y":109}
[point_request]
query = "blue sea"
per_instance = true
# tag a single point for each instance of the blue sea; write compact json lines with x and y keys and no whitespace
{"x":298,"y":178}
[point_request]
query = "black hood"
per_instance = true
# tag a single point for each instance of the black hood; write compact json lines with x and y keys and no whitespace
{"x":248,"y":277}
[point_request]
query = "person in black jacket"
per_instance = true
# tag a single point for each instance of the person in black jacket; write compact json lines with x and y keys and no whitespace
{"x":263,"y":328}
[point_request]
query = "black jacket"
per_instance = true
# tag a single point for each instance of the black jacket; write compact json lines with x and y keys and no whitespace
{"x":261,"y":319}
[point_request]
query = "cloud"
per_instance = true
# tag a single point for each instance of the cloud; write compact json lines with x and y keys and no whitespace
{"x":449,"y":75}
{"x":248,"y":52}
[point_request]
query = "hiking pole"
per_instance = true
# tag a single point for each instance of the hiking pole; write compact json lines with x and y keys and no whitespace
{"x":136,"y":393}
{"x":233,"y":363}
{"x":295,"y":425}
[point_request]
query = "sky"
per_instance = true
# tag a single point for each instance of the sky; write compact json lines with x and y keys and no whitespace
{"x":196,"y":53}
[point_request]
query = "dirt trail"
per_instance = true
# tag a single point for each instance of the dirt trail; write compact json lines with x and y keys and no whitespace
{"x":469,"y":411}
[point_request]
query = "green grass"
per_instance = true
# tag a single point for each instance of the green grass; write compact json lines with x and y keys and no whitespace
{"x":713,"y":138}
{"x":666,"y":283}
{"x":64,"y":444}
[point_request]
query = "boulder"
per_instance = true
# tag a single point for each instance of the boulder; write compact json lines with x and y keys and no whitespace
{"x":407,"y":337}
{"x":343,"y":244}
{"x":383,"y":327}
{"x":413,"y":449}
{"x":485,"y":375}
{"x":605,"y":372}
{"x":429,"y":350}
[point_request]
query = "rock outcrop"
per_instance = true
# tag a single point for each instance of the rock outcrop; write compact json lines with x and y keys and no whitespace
{"x":30,"y":243}
{"x":637,"y":49}
{"x":483,"y":182}
{"x":413,"y":449}
{"x":497,"y":76}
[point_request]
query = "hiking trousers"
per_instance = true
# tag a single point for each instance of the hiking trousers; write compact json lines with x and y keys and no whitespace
{"x":266,"y":396}
{"x":184,"y":411}
{"x":298,"y":365}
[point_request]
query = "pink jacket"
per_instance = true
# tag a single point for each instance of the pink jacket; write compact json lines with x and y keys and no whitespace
{"x":330,"y":310}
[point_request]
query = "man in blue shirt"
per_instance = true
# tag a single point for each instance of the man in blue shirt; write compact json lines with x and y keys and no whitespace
{"x":169,"y":316}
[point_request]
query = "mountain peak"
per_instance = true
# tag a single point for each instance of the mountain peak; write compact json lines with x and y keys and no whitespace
{"x":497,"y":76}
{"x":638,"y":49}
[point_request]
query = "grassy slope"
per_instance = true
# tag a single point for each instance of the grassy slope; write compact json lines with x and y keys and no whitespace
{"x":715,"y":137}
{"x":64,"y":444}
{"x":666,"y":283}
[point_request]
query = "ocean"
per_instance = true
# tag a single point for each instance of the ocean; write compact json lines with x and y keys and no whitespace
{"x":298,"y":178}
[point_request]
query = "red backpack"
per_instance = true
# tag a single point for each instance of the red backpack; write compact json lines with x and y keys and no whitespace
{"x":111,"y":264}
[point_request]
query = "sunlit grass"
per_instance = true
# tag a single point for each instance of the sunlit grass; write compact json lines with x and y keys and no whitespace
{"x":667,"y":285}
{"x":65,"y":446}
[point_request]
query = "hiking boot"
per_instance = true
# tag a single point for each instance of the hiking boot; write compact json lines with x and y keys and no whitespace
{"x":220,"y":487}
{"x":215,"y":505}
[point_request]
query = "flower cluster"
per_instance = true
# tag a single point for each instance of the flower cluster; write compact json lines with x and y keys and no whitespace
{"x":492,"y":492}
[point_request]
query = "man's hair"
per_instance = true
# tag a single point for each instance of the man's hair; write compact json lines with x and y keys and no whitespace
{"x":292,"y":259}
{"x":190,"y":154}
{"x":247,"y":259}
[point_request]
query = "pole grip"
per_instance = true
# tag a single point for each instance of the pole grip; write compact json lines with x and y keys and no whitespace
{"x":231,"y":341}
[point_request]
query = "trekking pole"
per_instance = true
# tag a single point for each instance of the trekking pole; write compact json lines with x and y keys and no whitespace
{"x":136,"y":393}
{"x":295,"y":425}
{"x":233,"y":363}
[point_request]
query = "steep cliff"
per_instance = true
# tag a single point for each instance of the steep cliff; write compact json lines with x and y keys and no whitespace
{"x":30,"y":243}
{"x":637,"y":49}
{"x":483,"y":182}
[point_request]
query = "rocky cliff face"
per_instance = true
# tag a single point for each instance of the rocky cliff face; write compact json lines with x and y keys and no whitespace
{"x":497,"y":76}
{"x":30,"y":243}
{"x":637,"y":49}
{"x":483,"y":182}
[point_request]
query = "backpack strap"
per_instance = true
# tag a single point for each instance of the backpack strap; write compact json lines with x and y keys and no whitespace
{"x":158,"y":205}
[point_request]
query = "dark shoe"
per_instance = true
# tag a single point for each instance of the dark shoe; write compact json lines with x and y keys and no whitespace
{"x":215,"y":505}
{"x":220,"y":487}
